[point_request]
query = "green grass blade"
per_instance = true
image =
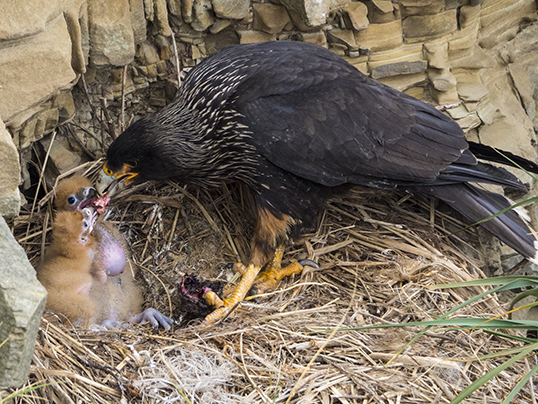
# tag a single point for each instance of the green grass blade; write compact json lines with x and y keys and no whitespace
{"x":26,"y":390}
{"x":519,"y":338}
{"x":515,"y":205}
{"x":520,"y":385}
{"x":514,"y":281}
{"x":463,"y":323}
{"x":491,"y":374}
{"x":504,"y":352}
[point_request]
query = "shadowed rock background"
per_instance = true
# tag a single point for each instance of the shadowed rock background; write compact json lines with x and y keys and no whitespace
{"x":476,"y":59}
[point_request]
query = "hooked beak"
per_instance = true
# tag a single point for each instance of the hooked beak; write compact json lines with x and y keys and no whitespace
{"x":114,"y":181}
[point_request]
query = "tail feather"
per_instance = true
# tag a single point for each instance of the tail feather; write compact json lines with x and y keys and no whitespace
{"x":481,"y":172}
{"x":477,"y":204}
{"x":489,"y":153}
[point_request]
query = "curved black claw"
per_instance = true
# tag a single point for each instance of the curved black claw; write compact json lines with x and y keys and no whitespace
{"x":309,"y":263}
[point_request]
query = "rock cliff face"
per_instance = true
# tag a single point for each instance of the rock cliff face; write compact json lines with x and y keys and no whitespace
{"x":477,"y":57}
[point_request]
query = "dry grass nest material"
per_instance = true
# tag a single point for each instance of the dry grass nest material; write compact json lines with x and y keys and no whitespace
{"x":377,"y":253}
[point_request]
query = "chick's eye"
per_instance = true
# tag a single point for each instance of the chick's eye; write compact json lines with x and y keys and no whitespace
{"x":71,"y":199}
{"x":85,"y":224}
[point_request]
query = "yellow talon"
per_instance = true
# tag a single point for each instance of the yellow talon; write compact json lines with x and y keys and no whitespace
{"x":237,"y":296}
{"x":212,"y":299}
{"x":267,"y":280}
{"x":271,"y":277}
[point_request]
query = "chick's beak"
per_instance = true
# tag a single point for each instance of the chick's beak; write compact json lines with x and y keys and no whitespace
{"x":114,"y":181}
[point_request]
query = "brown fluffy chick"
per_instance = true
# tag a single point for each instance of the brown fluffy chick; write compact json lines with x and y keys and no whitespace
{"x":114,"y":294}
{"x":66,"y":271}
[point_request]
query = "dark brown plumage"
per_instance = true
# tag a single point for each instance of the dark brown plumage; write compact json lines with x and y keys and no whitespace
{"x":293,"y":121}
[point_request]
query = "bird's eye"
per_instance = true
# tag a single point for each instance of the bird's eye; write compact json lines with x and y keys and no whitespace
{"x":107,"y":171}
{"x":71,"y":199}
{"x":85,"y":224}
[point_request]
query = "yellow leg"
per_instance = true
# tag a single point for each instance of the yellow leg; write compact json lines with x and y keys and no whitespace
{"x":268,"y":280}
{"x":238,"y":295}
{"x":271,"y":277}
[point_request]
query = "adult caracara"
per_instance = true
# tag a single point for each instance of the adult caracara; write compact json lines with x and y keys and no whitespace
{"x":293,"y":121}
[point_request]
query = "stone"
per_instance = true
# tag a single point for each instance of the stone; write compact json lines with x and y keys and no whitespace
{"x":27,"y":133}
{"x":462,"y":40}
{"x":421,"y":7}
{"x":46,"y":122}
{"x":469,"y":16}
{"x":111,"y":33}
{"x":470,"y":121}
{"x":457,"y":112}
{"x":380,"y":36}
{"x":449,"y":97}
{"x":61,"y":159}
{"x":342,"y":36}
{"x":500,"y":20}
{"x":512,"y":130}
{"x":225,"y":38}
{"x":34,"y":69}
{"x":202,"y":18}
{"x":357,"y":15}
{"x":219,"y":25}
{"x":380,"y":11}
{"x":187,"y":10}
{"x":147,"y":54}
{"x":476,"y":58}
{"x":442,"y":80}
{"x":417,"y":92}
{"x":254,"y":36}
{"x":149,"y":10}
{"x":298,"y":22}
{"x":161,"y":17}
{"x":22,"y":301}
{"x":399,"y":68}
{"x":405,"y":82}
{"x":437,"y":54}
{"x":487,"y":112}
{"x":524,"y":73}
{"x":66,"y":106}
{"x":270,"y":18}
{"x":405,"y":53}
{"x":522,"y":45}
{"x":361,"y":63}
{"x":231,"y":9}
{"x":10,"y":175}
{"x":470,"y":86}
{"x":424,"y":26}
{"x":27,"y":18}
{"x":174,"y":6}
{"x":407,"y":59}
{"x":383,"y":6}
{"x":21,"y":20}
{"x":314,"y":13}
{"x":317,"y":38}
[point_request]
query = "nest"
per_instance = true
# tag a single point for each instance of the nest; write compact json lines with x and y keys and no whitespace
{"x":378,"y":252}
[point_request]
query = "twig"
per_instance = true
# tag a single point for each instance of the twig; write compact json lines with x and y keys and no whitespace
{"x":42,"y":174}
{"x":123,"y":84}
{"x":110,"y":124}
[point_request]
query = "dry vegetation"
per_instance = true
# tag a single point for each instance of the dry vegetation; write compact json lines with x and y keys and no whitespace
{"x":378,"y":253}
